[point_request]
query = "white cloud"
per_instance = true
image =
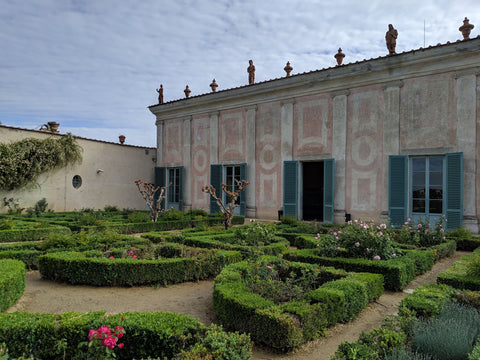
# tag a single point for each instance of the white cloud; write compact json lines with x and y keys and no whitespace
{"x":94,"y":66}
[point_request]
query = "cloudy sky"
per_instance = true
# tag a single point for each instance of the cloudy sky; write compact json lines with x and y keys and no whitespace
{"x":94,"y":65}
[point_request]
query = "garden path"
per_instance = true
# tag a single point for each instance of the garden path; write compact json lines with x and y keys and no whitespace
{"x":195,"y":299}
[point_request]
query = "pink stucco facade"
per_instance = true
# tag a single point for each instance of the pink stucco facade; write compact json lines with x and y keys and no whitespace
{"x":416,"y":104}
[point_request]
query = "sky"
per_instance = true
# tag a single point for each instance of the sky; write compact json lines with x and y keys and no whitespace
{"x":94,"y":65}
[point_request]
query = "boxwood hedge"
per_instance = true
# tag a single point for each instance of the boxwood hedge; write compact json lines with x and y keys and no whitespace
{"x":77,"y":268}
{"x":287,"y":326}
{"x":12,"y":282}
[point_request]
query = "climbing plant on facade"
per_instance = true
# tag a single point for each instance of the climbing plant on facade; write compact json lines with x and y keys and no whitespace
{"x":21,"y":162}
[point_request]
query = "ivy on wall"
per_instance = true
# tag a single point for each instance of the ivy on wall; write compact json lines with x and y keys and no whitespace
{"x":21,"y":162}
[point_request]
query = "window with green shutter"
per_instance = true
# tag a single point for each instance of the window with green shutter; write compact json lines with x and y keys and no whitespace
{"x":290,"y":188}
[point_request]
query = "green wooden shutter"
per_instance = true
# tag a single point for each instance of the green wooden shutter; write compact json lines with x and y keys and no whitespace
{"x":243,"y":194}
{"x":181,"y":171}
{"x":328,"y":190}
{"x":216,"y":182}
{"x":290,"y":188}
{"x":397,"y":189}
{"x":159,"y":180}
{"x":454,"y":190}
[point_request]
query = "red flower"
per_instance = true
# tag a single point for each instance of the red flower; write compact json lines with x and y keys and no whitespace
{"x":120,"y":345}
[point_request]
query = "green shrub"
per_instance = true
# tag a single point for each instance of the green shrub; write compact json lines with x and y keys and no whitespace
{"x":461,"y":275}
{"x":473,"y":267}
{"x":40,"y":206}
{"x":422,"y":233}
{"x":449,"y":336}
{"x":110,"y":208}
{"x":405,"y":353}
{"x":171,"y":214}
{"x":427,"y":300}
{"x":196,"y":212}
{"x":12,"y":282}
{"x":475,"y":354}
{"x":138,"y":217}
{"x":7,"y":224}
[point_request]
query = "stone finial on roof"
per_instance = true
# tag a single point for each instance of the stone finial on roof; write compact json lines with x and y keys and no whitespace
{"x":214,"y":85}
{"x":187,"y":91}
{"x":339,"y":56}
{"x":251,"y":72}
{"x":466,"y":28}
{"x":288,"y":68}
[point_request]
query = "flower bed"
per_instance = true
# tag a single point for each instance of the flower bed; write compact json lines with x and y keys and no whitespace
{"x":337,"y":296}
{"x":93,"y":269}
{"x":153,"y":335}
{"x":397,"y":272}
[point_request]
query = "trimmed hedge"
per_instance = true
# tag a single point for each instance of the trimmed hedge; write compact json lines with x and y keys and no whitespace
{"x":468,"y":244}
{"x":427,"y":300}
{"x":397,"y":272}
{"x":75,"y":268}
{"x":224,"y":240}
{"x":287,"y":326}
{"x":457,"y":277}
{"x":31,"y":234}
{"x":12,"y":283}
{"x":28,"y":257}
{"x":156,"y":335}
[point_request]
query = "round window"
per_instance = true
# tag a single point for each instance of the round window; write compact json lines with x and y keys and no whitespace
{"x":77,"y":181}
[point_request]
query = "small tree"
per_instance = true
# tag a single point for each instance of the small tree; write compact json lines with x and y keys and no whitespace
{"x":153,"y":197}
{"x":232,"y":196}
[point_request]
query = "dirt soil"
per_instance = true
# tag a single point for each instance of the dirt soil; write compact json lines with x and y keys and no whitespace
{"x":195,"y":299}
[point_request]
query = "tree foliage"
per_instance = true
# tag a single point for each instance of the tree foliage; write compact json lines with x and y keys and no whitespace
{"x":21,"y":162}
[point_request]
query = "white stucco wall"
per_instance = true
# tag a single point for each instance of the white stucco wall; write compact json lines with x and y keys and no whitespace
{"x":121,"y":165}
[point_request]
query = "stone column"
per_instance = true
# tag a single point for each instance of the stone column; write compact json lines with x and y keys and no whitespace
{"x":214,"y":137}
{"x":466,"y":143}
{"x":160,"y":125}
{"x":187,"y":163}
{"x":391,"y":136}
{"x":339,"y":148}
{"x":250,"y":159}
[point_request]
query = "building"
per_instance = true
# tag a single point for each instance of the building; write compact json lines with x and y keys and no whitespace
{"x":105,"y":177}
{"x":388,"y":138}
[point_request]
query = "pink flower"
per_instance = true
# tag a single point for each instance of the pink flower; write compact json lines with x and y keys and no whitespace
{"x":109,"y":342}
{"x":103,"y":332}
{"x":357,"y":244}
{"x":367,"y":249}
{"x":394,"y":255}
{"x":380,"y":233}
{"x":336,"y":237}
{"x":338,"y":248}
{"x":419,"y":226}
{"x":376,"y":257}
{"x":269,"y":267}
{"x":119,"y":331}
{"x":442,"y":230}
{"x":92,"y":334}
{"x":111,"y":256}
{"x":134,"y":256}
{"x":121,"y":345}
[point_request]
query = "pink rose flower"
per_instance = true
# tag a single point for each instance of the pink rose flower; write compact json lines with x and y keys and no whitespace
{"x":376,"y":257}
{"x":121,"y":345}
{"x":109,"y":342}
{"x":357,"y":244}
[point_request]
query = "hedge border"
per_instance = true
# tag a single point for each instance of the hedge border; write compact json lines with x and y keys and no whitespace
{"x":456,"y":275}
{"x":12,"y":282}
{"x":286,"y":327}
{"x":77,"y":269}
{"x":156,"y":334}
{"x":31,"y":234}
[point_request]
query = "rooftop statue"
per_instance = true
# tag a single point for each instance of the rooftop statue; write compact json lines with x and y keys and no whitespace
{"x":160,"y":94}
{"x":251,"y":72}
{"x":391,"y":39}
